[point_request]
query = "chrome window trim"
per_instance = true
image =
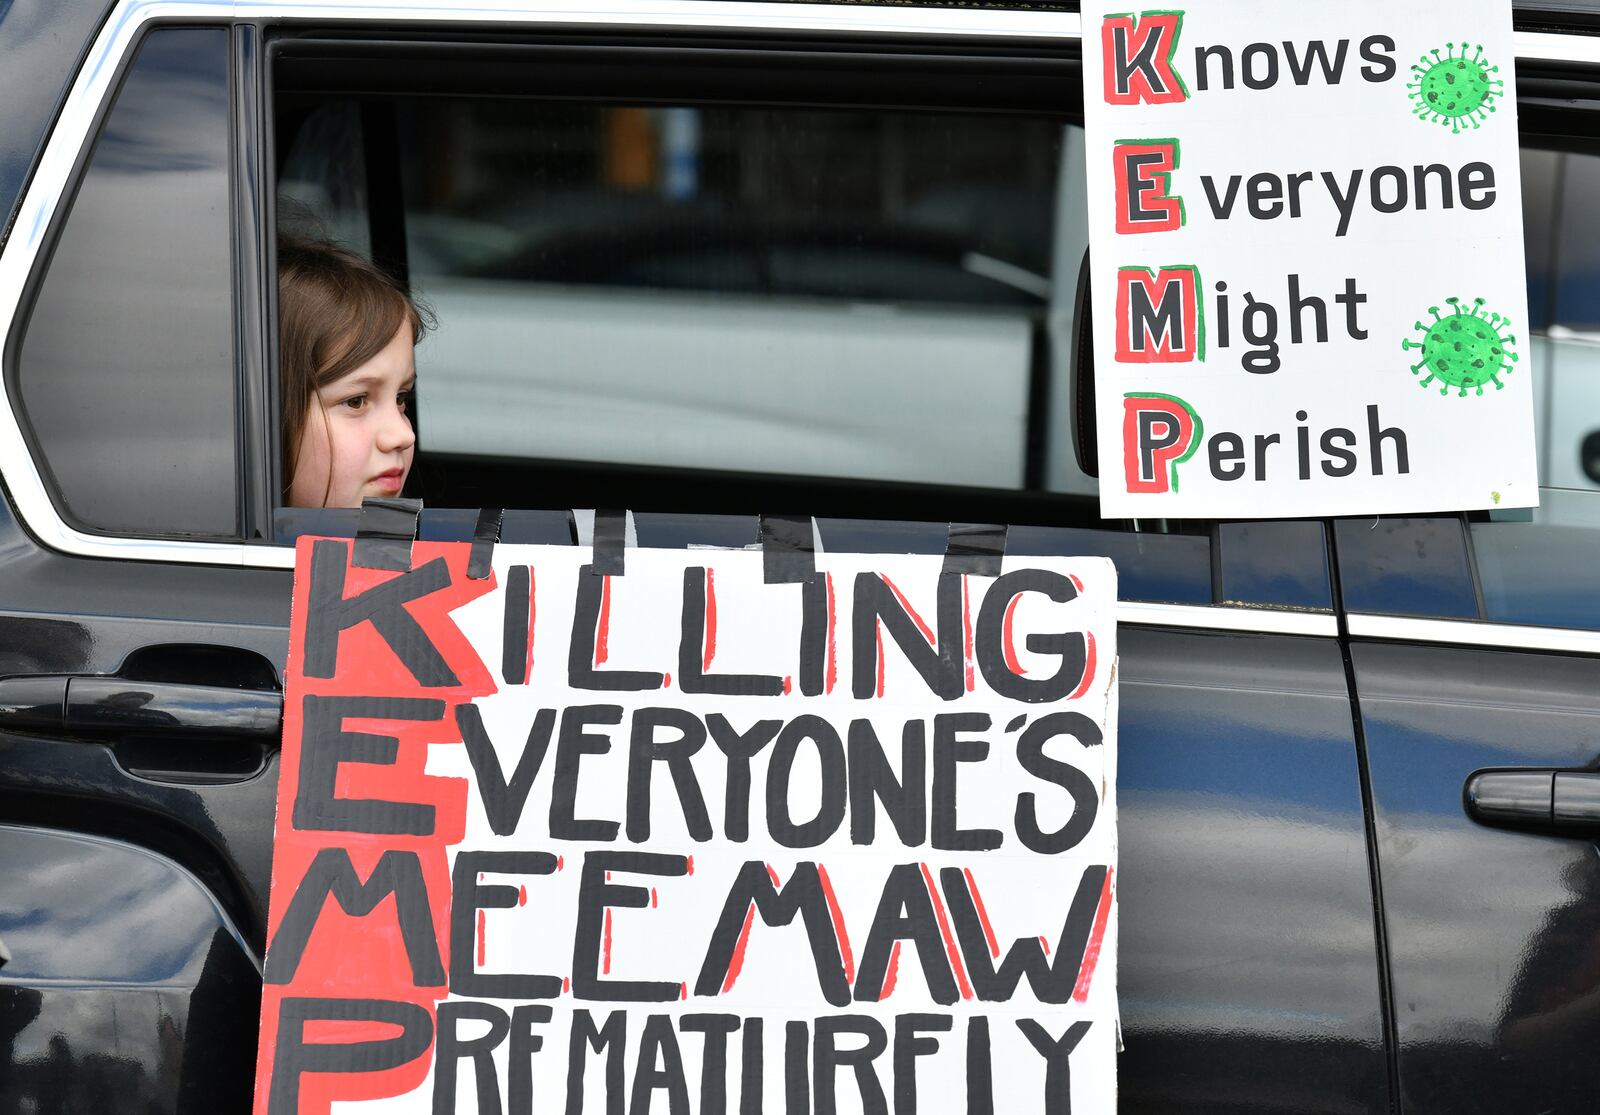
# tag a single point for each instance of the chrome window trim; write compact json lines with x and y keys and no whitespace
{"x":1261,"y":621}
{"x":1545,"y":46}
{"x":1472,"y":633}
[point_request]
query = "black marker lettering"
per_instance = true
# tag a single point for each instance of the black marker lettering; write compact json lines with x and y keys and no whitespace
{"x":467,"y":897}
{"x":1055,"y":1051}
{"x":595,"y":894}
{"x":329,"y":613}
{"x":503,"y":799}
{"x":325,"y":746}
{"x":295,"y":1056}
{"x":645,"y":751}
{"x":398,"y":872}
{"x":1085,"y":801}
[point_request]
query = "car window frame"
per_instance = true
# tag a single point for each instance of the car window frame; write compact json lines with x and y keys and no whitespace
{"x":317,"y":67}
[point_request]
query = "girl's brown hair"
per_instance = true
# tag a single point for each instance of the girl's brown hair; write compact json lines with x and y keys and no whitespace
{"x":336,"y":311}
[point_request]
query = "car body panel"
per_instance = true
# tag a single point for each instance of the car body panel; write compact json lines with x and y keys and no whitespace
{"x":1249,"y":974}
{"x":1494,"y":935}
{"x":128,"y":991}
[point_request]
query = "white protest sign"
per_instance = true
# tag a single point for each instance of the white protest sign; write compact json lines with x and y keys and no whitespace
{"x":686,"y":840}
{"x":1306,"y":237}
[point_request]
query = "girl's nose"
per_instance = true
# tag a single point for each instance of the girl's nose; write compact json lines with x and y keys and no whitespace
{"x":395,"y":434}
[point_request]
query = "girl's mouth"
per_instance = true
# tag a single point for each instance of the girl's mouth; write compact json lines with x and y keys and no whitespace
{"x":389,"y":482}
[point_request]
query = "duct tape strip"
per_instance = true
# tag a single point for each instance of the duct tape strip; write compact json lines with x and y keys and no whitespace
{"x":788,"y":548}
{"x":975,"y":548}
{"x":610,"y":540}
{"x":484,"y":537}
{"x":384,"y":533}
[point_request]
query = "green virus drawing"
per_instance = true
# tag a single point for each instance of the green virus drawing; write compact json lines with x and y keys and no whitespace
{"x":1465,"y":348}
{"x":1454,"y":89}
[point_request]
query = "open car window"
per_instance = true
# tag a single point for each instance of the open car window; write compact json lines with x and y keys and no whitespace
{"x":719,"y":304}
{"x":834,"y":297}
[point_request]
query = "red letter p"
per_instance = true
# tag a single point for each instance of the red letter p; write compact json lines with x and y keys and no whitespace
{"x":1159,"y":433}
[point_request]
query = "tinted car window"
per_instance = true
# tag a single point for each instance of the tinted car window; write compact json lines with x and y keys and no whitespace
{"x":1541,"y":181}
{"x":1535,"y":567}
{"x":1544,"y":571}
{"x":1540,"y":567}
{"x":125,"y":374}
{"x":1577,"y":261}
{"x":1406,"y":566}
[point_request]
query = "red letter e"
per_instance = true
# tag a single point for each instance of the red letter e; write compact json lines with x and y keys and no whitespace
{"x":1143,"y":170}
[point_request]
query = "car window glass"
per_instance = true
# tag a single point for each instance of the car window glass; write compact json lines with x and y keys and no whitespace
{"x":1540,"y":567}
{"x":322,"y":191}
{"x":800,"y":292}
{"x":1281,"y":563}
{"x":1518,"y":566}
{"x":1541,"y":182}
{"x":125,"y":371}
{"x":1404,"y":565}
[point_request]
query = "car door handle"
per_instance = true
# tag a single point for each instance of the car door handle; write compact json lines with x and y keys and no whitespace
{"x":1551,"y":800}
{"x":83,"y":707}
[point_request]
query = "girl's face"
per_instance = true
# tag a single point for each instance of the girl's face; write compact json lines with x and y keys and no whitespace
{"x":357,"y":439}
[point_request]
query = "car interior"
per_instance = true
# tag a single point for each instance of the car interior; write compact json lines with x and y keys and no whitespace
{"x":739,"y":294}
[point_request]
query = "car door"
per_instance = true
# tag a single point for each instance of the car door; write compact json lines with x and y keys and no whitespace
{"x":925,"y":302}
{"x":1475,"y":644}
{"x":1480,"y":730}
{"x":139,"y":658}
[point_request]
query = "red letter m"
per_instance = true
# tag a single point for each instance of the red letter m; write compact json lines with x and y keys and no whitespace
{"x":1159,"y":317}
{"x":1137,"y":59}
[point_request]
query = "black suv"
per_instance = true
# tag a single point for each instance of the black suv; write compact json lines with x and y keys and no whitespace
{"x":707,"y":261}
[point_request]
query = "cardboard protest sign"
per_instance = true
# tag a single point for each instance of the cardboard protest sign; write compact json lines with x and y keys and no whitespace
{"x":1306,"y":240}
{"x":685,"y":839}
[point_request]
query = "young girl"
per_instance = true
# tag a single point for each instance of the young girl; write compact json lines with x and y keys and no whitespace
{"x":345,"y":338}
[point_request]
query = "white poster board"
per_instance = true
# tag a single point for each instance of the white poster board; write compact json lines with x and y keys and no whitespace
{"x":685,"y":839}
{"x":1306,"y":240}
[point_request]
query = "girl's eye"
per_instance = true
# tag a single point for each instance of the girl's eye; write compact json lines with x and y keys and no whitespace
{"x":404,"y":401}
{"x":355,"y":402}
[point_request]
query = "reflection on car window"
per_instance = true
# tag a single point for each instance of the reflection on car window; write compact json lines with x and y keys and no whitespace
{"x":322,"y":191}
{"x":1539,"y":567}
{"x":734,"y":289}
{"x":128,"y":352}
{"x":808,"y":293}
{"x":1541,"y":181}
